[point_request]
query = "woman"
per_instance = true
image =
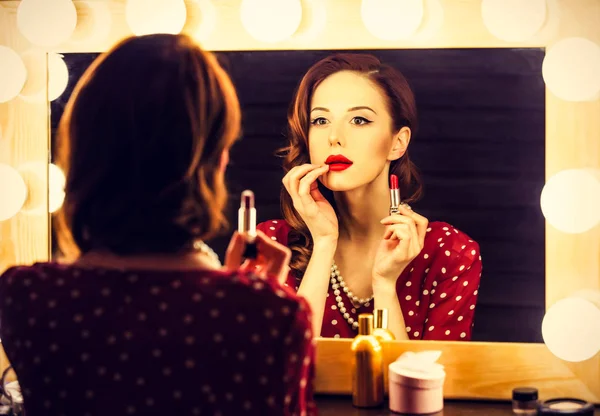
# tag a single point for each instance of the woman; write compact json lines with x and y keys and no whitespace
{"x":143,"y":319}
{"x":349,"y":127}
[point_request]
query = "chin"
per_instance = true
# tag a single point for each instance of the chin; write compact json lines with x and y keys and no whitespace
{"x":338,"y":184}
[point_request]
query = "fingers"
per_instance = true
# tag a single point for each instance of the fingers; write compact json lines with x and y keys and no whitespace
{"x":409,"y":216}
{"x":420,"y":221}
{"x":308,"y":186}
{"x":308,"y":182}
{"x":398,"y":232}
{"x":292,"y":178}
{"x":300,"y":182}
{"x":235,"y":249}
{"x":404,"y":220}
{"x":274,"y":257}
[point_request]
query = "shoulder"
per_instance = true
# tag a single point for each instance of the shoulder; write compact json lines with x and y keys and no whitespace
{"x":267,"y":300}
{"x":276,"y":229}
{"x":24,"y":274}
{"x":444,"y":240}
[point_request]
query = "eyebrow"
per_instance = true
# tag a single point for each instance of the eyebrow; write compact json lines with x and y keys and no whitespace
{"x":361,"y":107}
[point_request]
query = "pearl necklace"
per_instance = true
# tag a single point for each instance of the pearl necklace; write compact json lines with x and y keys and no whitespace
{"x":204,"y":248}
{"x":337,"y":281}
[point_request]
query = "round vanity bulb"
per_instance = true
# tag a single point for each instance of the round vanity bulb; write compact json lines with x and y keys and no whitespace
{"x":94,"y":23}
{"x":314,"y":21}
{"x":56,"y":187}
{"x":208,"y":22}
{"x":47,"y":22}
{"x":570,"y":201}
{"x":13,"y":191}
{"x":58,"y":76}
{"x":392,"y":19}
{"x":571,"y":69}
{"x":571,"y":329}
{"x":513,"y":20}
{"x":12,"y":74}
{"x":271,"y":20}
{"x":46,"y":184}
{"x":145,"y":17}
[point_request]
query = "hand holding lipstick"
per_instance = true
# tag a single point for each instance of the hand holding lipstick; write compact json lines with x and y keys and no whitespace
{"x":252,"y":250}
{"x":403,"y":240}
{"x":272,"y":259}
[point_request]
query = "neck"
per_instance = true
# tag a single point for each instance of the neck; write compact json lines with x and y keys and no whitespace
{"x":191,"y":260}
{"x":361,"y":210}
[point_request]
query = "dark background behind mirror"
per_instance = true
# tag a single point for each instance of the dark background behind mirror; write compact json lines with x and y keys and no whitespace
{"x":480,"y":148}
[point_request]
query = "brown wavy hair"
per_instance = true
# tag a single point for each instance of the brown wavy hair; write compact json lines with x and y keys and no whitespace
{"x":402,"y":108}
{"x":140,"y":142}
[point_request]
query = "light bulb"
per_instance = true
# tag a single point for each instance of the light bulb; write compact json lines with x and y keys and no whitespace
{"x":570,"y":201}
{"x":12,"y":74}
{"x":208,"y":21}
{"x":313,"y":23}
{"x":13,"y":191}
{"x":58,"y":76}
{"x":571,"y":329}
{"x":571,"y":69}
{"x":56,"y":187}
{"x":42,"y":190}
{"x":392,"y":19}
{"x":271,"y":20}
{"x":46,"y":22}
{"x":146,"y":17}
{"x":94,"y":23}
{"x":513,"y":20}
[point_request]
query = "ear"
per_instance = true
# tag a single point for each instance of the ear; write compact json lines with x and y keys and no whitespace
{"x":224,"y":161}
{"x":400,"y":144}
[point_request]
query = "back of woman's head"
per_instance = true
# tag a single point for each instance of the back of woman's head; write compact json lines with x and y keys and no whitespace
{"x":141,"y":141}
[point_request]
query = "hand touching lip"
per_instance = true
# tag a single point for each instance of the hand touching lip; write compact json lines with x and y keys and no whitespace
{"x":338,"y":162}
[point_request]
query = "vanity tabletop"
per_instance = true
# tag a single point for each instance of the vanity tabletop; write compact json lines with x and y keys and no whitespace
{"x":342,"y":405}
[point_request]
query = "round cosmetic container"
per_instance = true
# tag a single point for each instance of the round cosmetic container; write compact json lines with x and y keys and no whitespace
{"x":415,"y":393}
{"x":525,"y":401}
{"x":566,"y":406}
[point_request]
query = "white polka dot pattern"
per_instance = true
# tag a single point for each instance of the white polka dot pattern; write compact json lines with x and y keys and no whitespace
{"x":147,"y":340}
{"x":445,"y":277}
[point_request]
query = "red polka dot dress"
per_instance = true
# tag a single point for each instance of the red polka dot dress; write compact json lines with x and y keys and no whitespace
{"x":98,"y":341}
{"x":437,"y":291}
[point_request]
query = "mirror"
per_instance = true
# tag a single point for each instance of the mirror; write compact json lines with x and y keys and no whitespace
{"x":480,"y":148}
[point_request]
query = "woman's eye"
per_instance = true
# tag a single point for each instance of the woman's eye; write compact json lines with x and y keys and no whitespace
{"x":319,"y":121}
{"x":361,"y":121}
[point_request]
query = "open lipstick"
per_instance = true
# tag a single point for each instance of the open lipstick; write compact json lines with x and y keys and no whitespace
{"x":247,"y":223}
{"x":338,"y":163}
{"x":394,"y":195}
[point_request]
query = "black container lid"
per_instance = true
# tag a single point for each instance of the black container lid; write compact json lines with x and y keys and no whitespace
{"x":525,"y":394}
{"x":566,"y":406}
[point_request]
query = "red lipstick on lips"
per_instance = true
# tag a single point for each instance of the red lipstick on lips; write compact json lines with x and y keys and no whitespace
{"x":338,"y":163}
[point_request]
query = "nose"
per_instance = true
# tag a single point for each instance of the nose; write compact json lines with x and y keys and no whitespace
{"x":335,"y":136}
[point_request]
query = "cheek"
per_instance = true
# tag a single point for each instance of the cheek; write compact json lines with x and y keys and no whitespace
{"x":374,"y":144}
{"x":318,"y":147}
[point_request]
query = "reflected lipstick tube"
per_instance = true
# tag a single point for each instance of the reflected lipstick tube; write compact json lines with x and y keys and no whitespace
{"x":394,"y":195}
{"x":247,"y":223}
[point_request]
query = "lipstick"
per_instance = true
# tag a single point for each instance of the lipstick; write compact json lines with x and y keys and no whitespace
{"x":394,"y":195}
{"x":247,"y":223}
{"x":338,"y":163}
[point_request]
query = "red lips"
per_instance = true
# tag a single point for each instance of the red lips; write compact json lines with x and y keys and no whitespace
{"x":338,"y":162}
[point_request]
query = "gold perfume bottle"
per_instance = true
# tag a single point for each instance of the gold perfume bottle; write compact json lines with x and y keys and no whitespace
{"x":380,"y":325}
{"x":367,"y":365}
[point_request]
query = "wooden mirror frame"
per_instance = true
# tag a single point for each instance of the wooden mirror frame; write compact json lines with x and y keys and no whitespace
{"x":479,"y":370}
